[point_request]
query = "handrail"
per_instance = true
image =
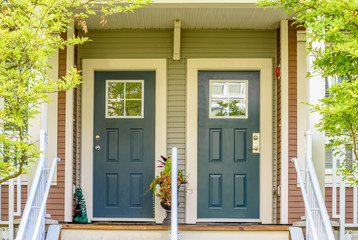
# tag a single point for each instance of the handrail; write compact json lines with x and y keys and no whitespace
{"x":318,"y":226}
{"x":32,"y":224}
{"x":305,"y":197}
{"x":174,"y":198}
{"x":44,"y":200}
{"x":342,"y":184}
{"x":35,"y":194}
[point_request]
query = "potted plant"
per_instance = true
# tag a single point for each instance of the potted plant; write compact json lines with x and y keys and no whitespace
{"x":164,"y":182}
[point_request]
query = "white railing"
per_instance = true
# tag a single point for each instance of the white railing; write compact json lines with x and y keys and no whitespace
{"x":318,"y":226}
{"x":32,"y":224}
{"x":11,"y":204}
{"x":342,"y":184}
{"x":174,"y":198}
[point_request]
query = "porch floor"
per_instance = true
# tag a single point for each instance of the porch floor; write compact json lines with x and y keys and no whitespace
{"x":182,"y":227}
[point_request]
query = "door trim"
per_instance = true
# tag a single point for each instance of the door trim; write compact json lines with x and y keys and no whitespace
{"x":264,"y":65}
{"x":89,"y":67}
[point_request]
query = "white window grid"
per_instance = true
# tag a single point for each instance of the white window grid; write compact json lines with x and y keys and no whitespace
{"x":124,"y":98}
{"x":246,"y":82}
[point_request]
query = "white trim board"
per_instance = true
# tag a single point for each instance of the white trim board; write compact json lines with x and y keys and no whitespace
{"x":91,"y":65}
{"x":284,"y":122}
{"x":69,"y":185}
{"x":266,"y":120}
{"x":229,"y":220}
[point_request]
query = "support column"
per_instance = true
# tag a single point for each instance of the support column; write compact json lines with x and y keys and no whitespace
{"x":284,"y":121}
{"x":52,"y":113}
{"x":317,"y":92}
{"x":69,"y":133}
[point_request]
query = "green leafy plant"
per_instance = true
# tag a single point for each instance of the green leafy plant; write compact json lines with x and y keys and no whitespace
{"x":164,"y":181}
{"x":334,"y":23}
{"x":30,"y":34}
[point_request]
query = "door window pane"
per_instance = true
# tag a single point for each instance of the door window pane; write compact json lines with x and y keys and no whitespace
{"x":228,"y":98}
{"x":124,"y":98}
{"x":133,"y":108}
{"x":133,"y":90}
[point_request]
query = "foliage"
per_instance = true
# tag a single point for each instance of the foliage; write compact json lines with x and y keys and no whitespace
{"x":164,"y":181}
{"x":335,"y":23}
{"x":232,"y":108}
{"x":29,"y":35}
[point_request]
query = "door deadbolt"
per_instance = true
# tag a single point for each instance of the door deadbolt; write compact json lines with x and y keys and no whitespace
{"x":256,"y":142}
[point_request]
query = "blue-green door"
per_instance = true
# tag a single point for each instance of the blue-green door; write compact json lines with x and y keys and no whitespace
{"x":228,"y":170}
{"x":123,"y":163}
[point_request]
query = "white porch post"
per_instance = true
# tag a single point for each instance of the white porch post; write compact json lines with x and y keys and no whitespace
{"x":317,"y":92}
{"x":284,"y":121}
{"x":69,"y":133}
{"x":52,"y":112}
{"x":302,"y":96}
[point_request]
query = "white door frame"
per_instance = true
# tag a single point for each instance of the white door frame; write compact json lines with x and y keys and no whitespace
{"x":264,"y":65}
{"x":91,"y":65}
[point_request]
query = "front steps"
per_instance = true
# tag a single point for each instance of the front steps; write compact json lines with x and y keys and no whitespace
{"x":114,"y":231}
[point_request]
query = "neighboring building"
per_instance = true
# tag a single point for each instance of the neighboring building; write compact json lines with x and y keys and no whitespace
{"x":201,"y":76}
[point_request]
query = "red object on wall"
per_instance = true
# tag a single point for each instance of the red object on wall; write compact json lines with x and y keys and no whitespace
{"x":277,"y":72}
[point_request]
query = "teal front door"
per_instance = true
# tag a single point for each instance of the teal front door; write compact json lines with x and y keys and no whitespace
{"x":123,"y":154}
{"x":228,"y":168}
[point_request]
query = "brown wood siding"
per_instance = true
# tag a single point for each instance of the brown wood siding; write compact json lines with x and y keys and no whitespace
{"x":295,"y":202}
{"x":278,"y":127}
{"x":349,"y":204}
{"x":56,"y":199}
{"x":5,"y":200}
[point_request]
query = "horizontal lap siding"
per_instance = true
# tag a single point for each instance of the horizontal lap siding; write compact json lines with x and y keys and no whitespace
{"x":56,"y":199}
{"x":176,"y":118}
{"x":349,"y":204}
{"x":5,"y":200}
{"x":228,"y":44}
{"x":296,"y":207}
{"x":127,"y":44}
{"x":194,"y":44}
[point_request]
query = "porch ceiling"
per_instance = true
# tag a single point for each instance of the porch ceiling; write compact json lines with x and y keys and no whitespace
{"x":194,"y":17}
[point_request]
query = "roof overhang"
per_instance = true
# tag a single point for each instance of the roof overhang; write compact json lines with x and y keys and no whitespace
{"x":195,"y":14}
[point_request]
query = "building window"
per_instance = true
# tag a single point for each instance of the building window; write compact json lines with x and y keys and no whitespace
{"x":124,"y":98}
{"x":228,"y":98}
{"x":329,"y":153}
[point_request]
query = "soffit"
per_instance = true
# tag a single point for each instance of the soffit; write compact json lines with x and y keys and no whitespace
{"x":159,"y":17}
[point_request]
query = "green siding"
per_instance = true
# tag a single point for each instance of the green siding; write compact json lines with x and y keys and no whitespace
{"x":194,"y":44}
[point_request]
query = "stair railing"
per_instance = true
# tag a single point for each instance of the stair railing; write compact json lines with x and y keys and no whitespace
{"x":174,"y":199}
{"x":318,"y":226}
{"x":32,"y":224}
{"x":342,"y":184}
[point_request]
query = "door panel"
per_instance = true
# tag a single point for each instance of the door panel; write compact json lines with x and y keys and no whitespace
{"x":124,"y":121}
{"x":228,"y":170}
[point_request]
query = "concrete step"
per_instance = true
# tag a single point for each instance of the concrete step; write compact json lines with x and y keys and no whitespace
{"x":187,"y":232}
